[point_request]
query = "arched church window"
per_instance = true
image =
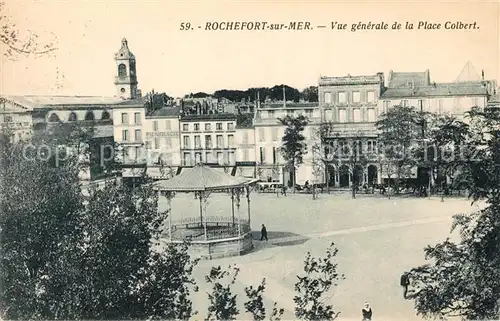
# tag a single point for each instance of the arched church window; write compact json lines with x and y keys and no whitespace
{"x":122,"y":70}
{"x":89,"y":115}
{"x":54,"y":118}
{"x":105,"y":115}
{"x":72,"y":117}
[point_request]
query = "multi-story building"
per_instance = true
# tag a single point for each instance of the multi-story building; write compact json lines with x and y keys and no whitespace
{"x":416,"y":89}
{"x":349,"y":106}
{"x":147,"y":142}
{"x":245,"y":140}
{"x":128,"y":121}
{"x":208,"y":138}
{"x":455,"y":99}
{"x":16,"y":119}
{"x":40,"y":114}
{"x":268,"y":133}
{"x":162,"y":141}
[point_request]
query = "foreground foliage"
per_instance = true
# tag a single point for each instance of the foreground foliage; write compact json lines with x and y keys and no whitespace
{"x":464,"y":277}
{"x":255,"y":303}
{"x":312,"y":288}
{"x":64,"y":255}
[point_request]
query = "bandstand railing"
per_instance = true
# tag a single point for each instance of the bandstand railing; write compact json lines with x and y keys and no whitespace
{"x":218,"y":228}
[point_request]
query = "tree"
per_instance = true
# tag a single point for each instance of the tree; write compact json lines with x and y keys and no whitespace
{"x":320,"y":275}
{"x":275,"y":172}
{"x":255,"y":304}
{"x":16,"y":43}
{"x":67,"y":256}
{"x":441,"y":152}
{"x":39,"y":232}
{"x":294,"y":145}
{"x":400,"y":128}
{"x":318,"y":167}
{"x":222,"y":300}
{"x":321,"y":151}
{"x":310,"y":94}
{"x":463,"y":278}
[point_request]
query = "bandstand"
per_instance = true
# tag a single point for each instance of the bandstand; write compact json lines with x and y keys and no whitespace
{"x":209,"y":236}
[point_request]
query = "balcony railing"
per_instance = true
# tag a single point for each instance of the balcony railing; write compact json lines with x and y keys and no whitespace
{"x":134,"y":161}
{"x":131,"y":142}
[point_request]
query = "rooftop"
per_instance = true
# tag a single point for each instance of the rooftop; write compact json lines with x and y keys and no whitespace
{"x":200,"y":178}
{"x":124,"y":52}
{"x":244,"y":121}
{"x":31,"y":102}
{"x":169,"y":112}
{"x":352,"y":80}
{"x":203,"y":117}
{"x":289,"y":105}
{"x":440,"y":89}
{"x":408,"y":79}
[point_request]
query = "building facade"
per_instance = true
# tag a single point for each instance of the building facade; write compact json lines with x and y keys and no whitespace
{"x":416,"y":89}
{"x":268,"y":133}
{"x":209,"y":139}
{"x":147,"y":143}
{"x":349,"y":106}
{"x":16,"y":119}
{"x":34,"y":114}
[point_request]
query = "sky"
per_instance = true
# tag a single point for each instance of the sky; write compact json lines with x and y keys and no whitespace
{"x":178,"y":61}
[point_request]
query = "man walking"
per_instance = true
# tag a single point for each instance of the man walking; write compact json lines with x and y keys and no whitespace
{"x":263,"y":233}
{"x":405,"y":281}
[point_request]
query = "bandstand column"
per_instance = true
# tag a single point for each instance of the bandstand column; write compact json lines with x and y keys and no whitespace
{"x":203,"y":208}
{"x":200,"y":196}
{"x":239,"y":219}
{"x":169,"y":197}
{"x":232,"y":205}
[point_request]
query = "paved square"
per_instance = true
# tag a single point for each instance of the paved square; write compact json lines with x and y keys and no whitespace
{"x":377,"y":239}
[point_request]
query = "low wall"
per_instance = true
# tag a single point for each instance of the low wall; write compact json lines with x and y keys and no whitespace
{"x":214,"y":249}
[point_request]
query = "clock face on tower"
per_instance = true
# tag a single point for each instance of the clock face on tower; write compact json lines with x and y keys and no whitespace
{"x":122,"y":90}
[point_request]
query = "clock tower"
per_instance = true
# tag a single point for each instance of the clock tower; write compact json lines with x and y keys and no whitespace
{"x":126,"y":77}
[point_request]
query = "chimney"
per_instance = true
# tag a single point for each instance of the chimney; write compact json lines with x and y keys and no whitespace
{"x":482,"y":74}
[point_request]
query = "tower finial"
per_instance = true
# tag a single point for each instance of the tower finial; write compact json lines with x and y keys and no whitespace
{"x":124,"y":43}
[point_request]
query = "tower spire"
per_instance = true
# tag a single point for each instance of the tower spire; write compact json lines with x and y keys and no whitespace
{"x":126,"y":77}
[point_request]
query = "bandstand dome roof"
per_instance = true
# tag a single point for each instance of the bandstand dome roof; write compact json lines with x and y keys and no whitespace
{"x":201,"y":178}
